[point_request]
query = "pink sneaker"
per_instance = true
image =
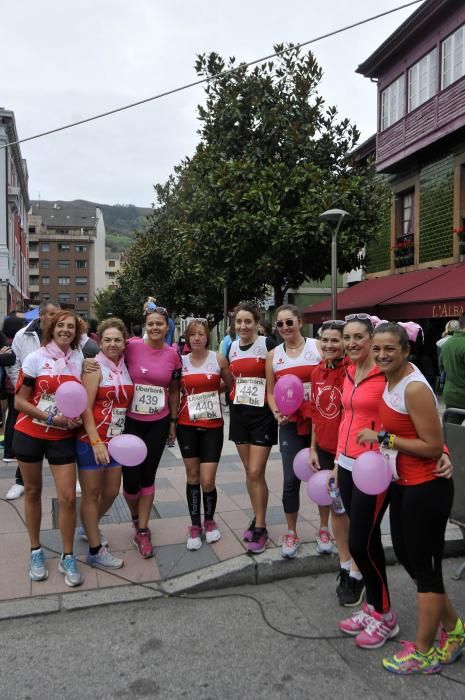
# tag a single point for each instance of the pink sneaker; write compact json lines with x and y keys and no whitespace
{"x":143,"y":544}
{"x":212,"y":533}
{"x":377,"y":631}
{"x":357,"y":622}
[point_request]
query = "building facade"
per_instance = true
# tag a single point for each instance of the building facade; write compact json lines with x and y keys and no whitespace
{"x":67,"y":254}
{"x":14,"y":205}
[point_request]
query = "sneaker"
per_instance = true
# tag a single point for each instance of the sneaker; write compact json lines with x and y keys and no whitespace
{"x":409,"y":660}
{"x":259,"y":541}
{"x":15,"y":491}
{"x":353,"y":593}
{"x":289,"y":545}
{"x":82,"y":535}
{"x":105,"y":559}
{"x":248,"y":534}
{"x":212,"y":534}
{"x":8,"y":460}
{"x":37,"y":568}
{"x":194,"y":537}
{"x":68,"y":566}
{"x":343,"y":578}
{"x":143,"y":544}
{"x":451,"y":644}
{"x":323,"y":542}
{"x":377,"y":631}
{"x":357,"y":622}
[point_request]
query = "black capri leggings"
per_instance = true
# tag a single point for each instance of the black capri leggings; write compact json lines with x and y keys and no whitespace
{"x":290,"y":442}
{"x":365,"y":514}
{"x":419,"y":517}
{"x":154,"y":434}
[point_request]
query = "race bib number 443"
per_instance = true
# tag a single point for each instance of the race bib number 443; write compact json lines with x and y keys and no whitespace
{"x":250,"y":391}
{"x":205,"y":406}
{"x":47,"y":404}
{"x":148,"y":399}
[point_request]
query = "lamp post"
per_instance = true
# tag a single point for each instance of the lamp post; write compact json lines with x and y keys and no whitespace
{"x":336,"y":216}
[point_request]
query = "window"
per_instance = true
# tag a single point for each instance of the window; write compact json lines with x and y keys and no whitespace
{"x":63,"y":264}
{"x":422,"y":81}
{"x":82,"y":314}
{"x":45,"y":263}
{"x":45,"y":297}
{"x":453,"y":57}
{"x":44,"y":247}
{"x":64,"y":298}
{"x":81,"y":280}
{"x":45,"y":280}
{"x":81,"y":297}
{"x":81,"y":248}
{"x":111,"y":263}
{"x":81,"y":263}
{"x":63,"y":280}
{"x":404,"y":246}
{"x":392,"y":103}
{"x":33,"y":247}
{"x":32,"y":229}
{"x":63,"y":246}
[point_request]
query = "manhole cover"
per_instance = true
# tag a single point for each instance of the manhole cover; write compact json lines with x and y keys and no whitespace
{"x":118,"y":513}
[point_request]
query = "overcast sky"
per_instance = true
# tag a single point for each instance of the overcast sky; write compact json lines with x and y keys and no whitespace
{"x":63,"y":61}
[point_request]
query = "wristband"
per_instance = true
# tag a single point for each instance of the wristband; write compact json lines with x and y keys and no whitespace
{"x":50,"y":419}
{"x":392,"y":437}
{"x":173,"y":420}
{"x":96,"y":442}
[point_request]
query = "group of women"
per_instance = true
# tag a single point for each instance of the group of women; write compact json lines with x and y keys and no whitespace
{"x":360,"y":392}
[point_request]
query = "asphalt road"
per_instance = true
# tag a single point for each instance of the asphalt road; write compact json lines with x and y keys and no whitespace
{"x":216,"y":648}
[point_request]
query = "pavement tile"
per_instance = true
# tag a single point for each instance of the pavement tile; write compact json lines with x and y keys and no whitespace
{"x":56,"y":580}
{"x":225,"y":503}
{"x":234,"y":488}
{"x":235,"y":519}
{"x":175,"y":560}
{"x":172,"y":509}
{"x":228,"y":546}
{"x":135,"y":568}
{"x":170,"y":530}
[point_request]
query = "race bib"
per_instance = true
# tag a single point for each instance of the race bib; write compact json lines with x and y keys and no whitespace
{"x":205,"y":406}
{"x":48,"y":405}
{"x":148,"y":399}
{"x":250,"y":391}
{"x":391,"y":456}
{"x":307,"y":390}
{"x":116,"y":426}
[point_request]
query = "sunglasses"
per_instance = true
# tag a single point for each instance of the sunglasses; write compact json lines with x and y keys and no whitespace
{"x":360,"y":317}
{"x":334,"y":322}
{"x":200,"y":320}
{"x":153,"y":308}
{"x":288,"y":322}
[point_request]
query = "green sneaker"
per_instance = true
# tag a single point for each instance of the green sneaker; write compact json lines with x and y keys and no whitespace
{"x":409,"y":660}
{"x":451,"y":644}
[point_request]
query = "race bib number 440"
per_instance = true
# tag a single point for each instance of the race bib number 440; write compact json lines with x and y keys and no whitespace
{"x":250,"y":391}
{"x":148,"y":399}
{"x":205,"y":406}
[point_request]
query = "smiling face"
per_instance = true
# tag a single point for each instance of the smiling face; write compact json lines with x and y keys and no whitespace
{"x":64,"y":332}
{"x":357,"y":341}
{"x":197,"y":338}
{"x":332,"y":346}
{"x":156,"y":326}
{"x":288,"y":326}
{"x":388,"y":353}
{"x":112,"y":343}
{"x":246,"y":326}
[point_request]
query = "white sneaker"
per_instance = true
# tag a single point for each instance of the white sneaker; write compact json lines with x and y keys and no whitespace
{"x":289,"y":545}
{"x":194,"y":539}
{"x":323,"y":542}
{"x":7,"y":460}
{"x":15,"y":491}
{"x":81,"y":534}
{"x":212,"y":533}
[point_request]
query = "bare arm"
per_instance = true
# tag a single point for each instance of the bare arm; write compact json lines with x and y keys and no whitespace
{"x":173,"y":403}
{"x":90,"y":382}
{"x":226,"y":374}
{"x":22,"y":404}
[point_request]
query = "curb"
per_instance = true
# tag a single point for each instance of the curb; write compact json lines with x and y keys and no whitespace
{"x":240,"y":571}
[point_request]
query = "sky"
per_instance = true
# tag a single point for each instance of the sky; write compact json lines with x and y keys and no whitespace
{"x":63,"y":61}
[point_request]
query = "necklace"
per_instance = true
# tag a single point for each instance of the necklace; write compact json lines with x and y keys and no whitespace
{"x":296,"y":347}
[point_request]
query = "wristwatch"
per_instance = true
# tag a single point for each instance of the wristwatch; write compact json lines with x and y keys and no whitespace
{"x":383,"y":437}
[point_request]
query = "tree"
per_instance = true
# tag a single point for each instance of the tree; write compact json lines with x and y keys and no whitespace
{"x":243,"y":211}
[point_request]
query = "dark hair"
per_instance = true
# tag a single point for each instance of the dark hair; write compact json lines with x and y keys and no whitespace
{"x":47,"y":302}
{"x":11,"y":325}
{"x":47,"y":333}
{"x":395,"y":329}
{"x":462,"y":321}
{"x":190,"y":330}
{"x":137,"y":330}
{"x":295,"y":311}
{"x":267,"y":327}
{"x":364,"y":321}
{"x":250,"y":308}
{"x":112,"y":322}
{"x":93,"y":324}
{"x":331,"y":326}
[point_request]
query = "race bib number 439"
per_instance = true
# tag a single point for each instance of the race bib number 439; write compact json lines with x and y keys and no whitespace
{"x":205,"y":406}
{"x":250,"y":391}
{"x":148,"y":399}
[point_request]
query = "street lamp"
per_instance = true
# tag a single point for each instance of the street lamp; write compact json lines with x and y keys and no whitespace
{"x":336,"y":216}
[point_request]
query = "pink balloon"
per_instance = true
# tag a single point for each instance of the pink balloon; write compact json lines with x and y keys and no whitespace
{"x":71,"y":399}
{"x":127,"y":449}
{"x":317,"y":488}
{"x":288,"y":394}
{"x":301,"y":466}
{"x":371,"y":473}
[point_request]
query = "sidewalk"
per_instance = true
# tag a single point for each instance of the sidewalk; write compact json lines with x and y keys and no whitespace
{"x":174,"y":567}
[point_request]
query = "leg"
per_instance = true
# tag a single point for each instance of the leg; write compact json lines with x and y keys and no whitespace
{"x":340,"y":526}
{"x":91,"y":485}
{"x":110,"y":489}
{"x":290,"y":443}
{"x":193,"y":493}
{"x":32,"y":472}
{"x":256,"y":482}
{"x":64,"y":476}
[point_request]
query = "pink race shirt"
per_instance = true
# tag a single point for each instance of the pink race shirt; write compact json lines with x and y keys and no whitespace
{"x":151,"y":370}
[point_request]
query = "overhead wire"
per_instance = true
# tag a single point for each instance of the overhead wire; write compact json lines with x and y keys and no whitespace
{"x":211,"y":78}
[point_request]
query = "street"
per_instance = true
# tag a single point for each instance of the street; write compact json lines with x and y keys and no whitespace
{"x":217,"y":648}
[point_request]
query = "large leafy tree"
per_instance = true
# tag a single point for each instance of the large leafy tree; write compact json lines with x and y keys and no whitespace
{"x":243,"y":211}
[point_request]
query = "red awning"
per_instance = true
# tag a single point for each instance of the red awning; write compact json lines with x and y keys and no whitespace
{"x":429,"y":293}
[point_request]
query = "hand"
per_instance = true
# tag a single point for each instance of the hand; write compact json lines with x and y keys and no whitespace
{"x":282,"y":420}
{"x":90,"y":365}
{"x":313,"y":460}
{"x":367,"y":436}
{"x":171,"y":435}
{"x":74,"y":423}
{"x":444,"y":466}
{"x":60,"y":421}
{"x":5,"y":349}
{"x":101,"y":453}
{"x":332,"y":477}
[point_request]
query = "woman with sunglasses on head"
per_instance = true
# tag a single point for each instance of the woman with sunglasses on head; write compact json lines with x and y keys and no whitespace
{"x":110,"y":392}
{"x":297,"y":355}
{"x":420,"y":502}
{"x":327,"y":382}
{"x":252,"y":426}
{"x":155,"y":369}
{"x":41,"y":431}
{"x":200,"y":428}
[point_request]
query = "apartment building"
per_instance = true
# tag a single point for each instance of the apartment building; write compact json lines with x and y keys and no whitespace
{"x":66,"y":254}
